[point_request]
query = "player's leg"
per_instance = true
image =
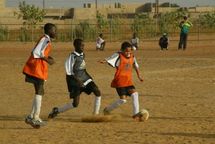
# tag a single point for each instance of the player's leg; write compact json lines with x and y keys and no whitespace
{"x":135,"y":100}
{"x":92,"y":87}
{"x":75,"y":95}
{"x":103,"y":46}
{"x":39,"y":89}
{"x":122,"y":94}
{"x":185,"y":42}
{"x":97,"y":102}
{"x":180,"y":42}
{"x":138,"y":114}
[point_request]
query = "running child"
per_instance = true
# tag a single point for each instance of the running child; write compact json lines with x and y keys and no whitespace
{"x":78,"y":81}
{"x":124,"y":61}
{"x":36,"y":72}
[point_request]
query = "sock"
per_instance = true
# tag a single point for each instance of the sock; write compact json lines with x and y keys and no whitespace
{"x":66,"y":107}
{"x":38,"y":102}
{"x":97,"y":105}
{"x":33,"y":108}
{"x":135,"y":102}
{"x":116,"y":104}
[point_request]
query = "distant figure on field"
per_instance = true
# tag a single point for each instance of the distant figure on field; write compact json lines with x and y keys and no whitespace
{"x":135,"y":42}
{"x":164,"y":41}
{"x":185,"y":26}
{"x":100,"y":43}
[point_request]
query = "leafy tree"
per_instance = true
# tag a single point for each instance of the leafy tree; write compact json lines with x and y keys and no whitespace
{"x":141,"y":23}
{"x":170,"y":20}
{"x":84,"y":30}
{"x":207,"y":20}
{"x":31,"y":15}
{"x":101,"y":22}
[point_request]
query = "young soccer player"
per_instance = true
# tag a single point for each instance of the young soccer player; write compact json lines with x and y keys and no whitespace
{"x":36,"y":72}
{"x":135,"y":42}
{"x":78,"y":81}
{"x":124,"y":61}
{"x":100,"y":43}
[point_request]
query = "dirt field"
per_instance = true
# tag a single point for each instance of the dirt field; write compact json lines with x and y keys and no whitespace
{"x":178,"y":91}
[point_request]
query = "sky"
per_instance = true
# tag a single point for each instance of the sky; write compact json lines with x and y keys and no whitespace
{"x":79,"y":3}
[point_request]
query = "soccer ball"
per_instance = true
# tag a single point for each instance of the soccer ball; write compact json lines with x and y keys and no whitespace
{"x":145,"y":115}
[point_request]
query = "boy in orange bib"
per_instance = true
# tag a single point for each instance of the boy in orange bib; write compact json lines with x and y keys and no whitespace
{"x":36,"y":72}
{"x":124,"y":61}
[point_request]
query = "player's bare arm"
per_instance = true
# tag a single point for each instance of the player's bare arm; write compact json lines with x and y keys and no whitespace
{"x":138,"y":74}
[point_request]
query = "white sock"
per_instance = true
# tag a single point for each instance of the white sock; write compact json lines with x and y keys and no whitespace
{"x":66,"y":107}
{"x":33,"y":107}
{"x":38,"y":102}
{"x":116,"y":104}
{"x":97,"y":105}
{"x":135,"y":102}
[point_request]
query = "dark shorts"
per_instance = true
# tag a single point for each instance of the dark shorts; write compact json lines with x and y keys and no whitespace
{"x":38,"y":83}
{"x":75,"y":90}
{"x":32,"y":79}
{"x":125,"y":90}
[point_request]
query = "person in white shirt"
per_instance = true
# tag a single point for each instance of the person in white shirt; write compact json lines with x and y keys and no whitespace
{"x":78,"y":81}
{"x":135,"y":42}
{"x":100,"y":43}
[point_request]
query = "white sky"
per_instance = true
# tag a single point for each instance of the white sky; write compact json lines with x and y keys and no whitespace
{"x":79,"y":3}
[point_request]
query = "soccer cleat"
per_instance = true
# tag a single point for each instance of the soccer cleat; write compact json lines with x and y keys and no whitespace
{"x":53,"y":113}
{"x":38,"y":123}
{"x":106,"y":112}
{"x":29,"y":120}
{"x":137,"y":117}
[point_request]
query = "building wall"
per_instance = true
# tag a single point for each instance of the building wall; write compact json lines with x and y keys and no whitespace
{"x":202,"y":9}
{"x":2,"y":4}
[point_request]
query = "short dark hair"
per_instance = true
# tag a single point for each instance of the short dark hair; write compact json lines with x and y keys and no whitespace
{"x":125,"y":45}
{"x":77,"y":42}
{"x":47,"y":27}
{"x":185,"y":17}
{"x":100,"y":34}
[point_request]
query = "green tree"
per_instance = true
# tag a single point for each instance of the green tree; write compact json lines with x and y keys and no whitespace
{"x":102,"y":23}
{"x":31,"y":15}
{"x":170,"y":20}
{"x":141,"y":23}
{"x":207,"y":20}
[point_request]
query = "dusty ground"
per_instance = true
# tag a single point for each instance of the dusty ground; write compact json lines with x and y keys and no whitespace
{"x":178,"y":90}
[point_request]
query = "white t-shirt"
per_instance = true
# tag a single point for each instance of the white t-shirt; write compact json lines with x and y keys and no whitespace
{"x":99,"y":41}
{"x":38,"y":51}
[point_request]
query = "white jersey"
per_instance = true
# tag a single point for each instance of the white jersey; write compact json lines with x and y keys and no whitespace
{"x":135,"y":41}
{"x":75,"y":65}
{"x":99,"y":41}
{"x":114,"y":60}
{"x":38,"y":51}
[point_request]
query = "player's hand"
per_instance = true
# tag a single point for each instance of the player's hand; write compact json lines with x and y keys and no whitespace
{"x":141,"y":79}
{"x":50,"y":60}
{"x":102,"y":61}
